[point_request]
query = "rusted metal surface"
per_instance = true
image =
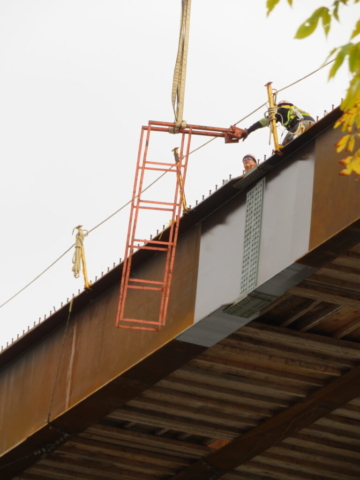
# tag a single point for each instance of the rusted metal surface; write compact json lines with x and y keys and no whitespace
{"x":335,"y":197}
{"x":92,"y":409}
{"x":333,"y":247}
{"x":203,"y":210}
{"x":103,"y":368}
{"x":95,"y":353}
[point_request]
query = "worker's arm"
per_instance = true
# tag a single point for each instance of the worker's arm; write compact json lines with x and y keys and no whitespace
{"x":264,"y":122}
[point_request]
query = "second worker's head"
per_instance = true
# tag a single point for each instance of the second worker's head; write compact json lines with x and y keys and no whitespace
{"x":249,"y":162}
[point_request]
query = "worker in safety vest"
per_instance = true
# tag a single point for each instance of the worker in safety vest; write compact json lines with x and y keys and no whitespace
{"x":249,"y":162}
{"x":295,"y":121}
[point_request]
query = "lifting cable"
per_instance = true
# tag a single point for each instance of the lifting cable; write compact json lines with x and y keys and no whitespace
{"x":178,"y":88}
{"x":152,"y":183}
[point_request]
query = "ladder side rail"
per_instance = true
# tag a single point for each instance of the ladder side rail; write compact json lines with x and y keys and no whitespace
{"x":137,"y":198}
{"x":134,"y":213}
{"x":177,"y":201}
{"x":172,"y":240}
{"x":135,"y":207}
{"x":174,"y":229}
{"x":127,"y":254}
{"x":177,"y":225}
{"x":172,"y":247}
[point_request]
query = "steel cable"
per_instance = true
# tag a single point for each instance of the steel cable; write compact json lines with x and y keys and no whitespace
{"x":155,"y":181}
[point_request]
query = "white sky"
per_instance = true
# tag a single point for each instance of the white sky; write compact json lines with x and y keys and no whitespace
{"x":78,"y":78}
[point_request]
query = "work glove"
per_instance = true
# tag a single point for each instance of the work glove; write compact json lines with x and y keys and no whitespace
{"x":245,"y":134}
{"x":234,"y":134}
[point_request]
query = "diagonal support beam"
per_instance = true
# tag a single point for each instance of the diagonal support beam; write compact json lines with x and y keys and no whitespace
{"x":290,"y":421}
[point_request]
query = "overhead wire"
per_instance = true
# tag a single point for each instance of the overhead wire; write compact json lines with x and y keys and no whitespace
{"x":155,"y":181}
{"x":38,"y":276}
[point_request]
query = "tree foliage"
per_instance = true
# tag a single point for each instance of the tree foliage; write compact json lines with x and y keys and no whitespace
{"x":350,"y":53}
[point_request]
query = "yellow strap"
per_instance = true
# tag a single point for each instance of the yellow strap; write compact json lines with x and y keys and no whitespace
{"x":178,"y":88}
{"x":79,"y":259}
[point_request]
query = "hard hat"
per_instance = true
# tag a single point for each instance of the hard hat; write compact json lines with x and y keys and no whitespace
{"x":284,"y":102}
{"x":250,"y":156}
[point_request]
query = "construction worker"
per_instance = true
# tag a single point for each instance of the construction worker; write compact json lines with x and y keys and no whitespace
{"x":295,"y":121}
{"x":249,"y":162}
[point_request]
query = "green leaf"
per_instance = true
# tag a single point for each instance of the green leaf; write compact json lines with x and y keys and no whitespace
{"x":353,"y":94}
{"x":336,"y":6}
{"x":339,"y":59}
{"x":270,"y":5}
{"x":331,"y":54}
{"x":326,"y":20}
{"x":354,"y":58}
{"x":356,"y":30}
{"x":336,"y":9}
{"x":309,"y":26}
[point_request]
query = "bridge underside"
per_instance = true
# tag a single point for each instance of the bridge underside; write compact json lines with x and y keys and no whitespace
{"x":218,"y":392}
{"x":277,"y":399}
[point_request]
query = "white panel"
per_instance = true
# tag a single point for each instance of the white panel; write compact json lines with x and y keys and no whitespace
{"x":285,"y":231}
{"x":286,"y":217}
{"x":220,"y":259}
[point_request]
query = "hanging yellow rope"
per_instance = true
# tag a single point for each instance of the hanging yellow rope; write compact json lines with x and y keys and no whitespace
{"x":79,"y":259}
{"x":178,"y":89}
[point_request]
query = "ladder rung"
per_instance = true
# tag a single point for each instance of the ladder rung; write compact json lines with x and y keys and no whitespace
{"x":145,"y":281}
{"x":135,"y":320}
{"x":149,"y":248}
{"x":154,"y":208}
{"x":144,"y":288}
{"x":131,"y":327}
{"x":159,"y":169}
{"x":161,"y":203}
{"x":165,"y":164}
{"x":153,"y":241}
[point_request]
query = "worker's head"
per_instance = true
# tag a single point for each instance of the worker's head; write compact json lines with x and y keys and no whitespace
{"x":249,"y":162}
{"x":284,"y":102}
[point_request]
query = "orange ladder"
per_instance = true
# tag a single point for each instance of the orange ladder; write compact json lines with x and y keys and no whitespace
{"x":138,"y":203}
